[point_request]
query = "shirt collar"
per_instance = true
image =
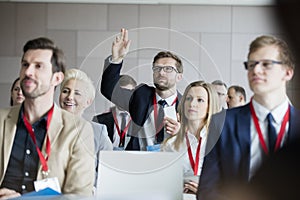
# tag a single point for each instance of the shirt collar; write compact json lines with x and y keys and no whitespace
{"x":202,"y":133}
{"x":118,"y":111}
{"x":42,"y":121}
{"x":278,"y":112}
{"x":169,"y":100}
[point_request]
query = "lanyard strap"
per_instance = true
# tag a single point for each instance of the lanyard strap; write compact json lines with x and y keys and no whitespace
{"x":156,"y":114}
{"x":123,"y":133}
{"x":260,"y":135}
{"x":194,"y":163}
{"x":30,"y":130}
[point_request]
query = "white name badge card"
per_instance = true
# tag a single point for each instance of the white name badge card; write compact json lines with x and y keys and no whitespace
{"x":47,"y":183}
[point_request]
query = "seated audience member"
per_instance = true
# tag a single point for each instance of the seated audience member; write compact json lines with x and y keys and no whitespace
{"x":40,"y":143}
{"x":16,"y":95}
{"x":118,"y":121}
{"x":77,"y":93}
{"x":196,"y":107}
{"x":145,"y":102}
{"x":221,"y":89}
{"x":247,"y":135}
{"x":236,"y":96}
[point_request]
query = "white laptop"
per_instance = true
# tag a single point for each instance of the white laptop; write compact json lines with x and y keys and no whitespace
{"x":139,"y":175}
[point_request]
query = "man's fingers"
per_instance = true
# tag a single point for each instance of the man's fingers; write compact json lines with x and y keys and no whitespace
{"x":124,"y":34}
{"x":127,"y":44}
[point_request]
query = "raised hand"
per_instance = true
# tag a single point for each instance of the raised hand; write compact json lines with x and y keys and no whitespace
{"x":120,"y":46}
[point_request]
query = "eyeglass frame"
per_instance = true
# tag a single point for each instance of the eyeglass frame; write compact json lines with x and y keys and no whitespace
{"x":267,"y":67}
{"x":164,"y":68}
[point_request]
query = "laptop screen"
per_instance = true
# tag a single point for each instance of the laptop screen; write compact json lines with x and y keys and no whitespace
{"x":140,"y":175}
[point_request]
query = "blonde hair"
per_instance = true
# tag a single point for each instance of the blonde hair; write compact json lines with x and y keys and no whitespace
{"x":79,"y":75}
{"x":213,"y":107}
{"x":285,"y":55}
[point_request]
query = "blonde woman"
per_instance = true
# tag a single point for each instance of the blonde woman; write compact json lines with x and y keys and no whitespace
{"x":76,"y":94}
{"x":195,"y":109}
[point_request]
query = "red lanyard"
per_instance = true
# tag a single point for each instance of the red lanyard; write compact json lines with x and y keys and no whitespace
{"x":122,"y":135}
{"x":30,"y":130}
{"x":194,"y":163}
{"x":156,"y":112}
{"x":260,"y":135}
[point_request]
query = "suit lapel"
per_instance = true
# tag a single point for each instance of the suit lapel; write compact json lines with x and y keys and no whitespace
{"x":178,"y":99}
{"x":111,"y":123}
{"x":10,"y":127}
{"x":294,"y":126}
{"x":55,"y":127}
{"x":243,"y":136}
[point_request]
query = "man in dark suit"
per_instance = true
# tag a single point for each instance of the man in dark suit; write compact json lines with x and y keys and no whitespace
{"x":118,"y":121}
{"x":145,"y":103}
{"x":240,"y":139}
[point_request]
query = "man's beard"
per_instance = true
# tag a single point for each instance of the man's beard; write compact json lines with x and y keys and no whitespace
{"x":36,"y":92}
{"x":161,"y":87}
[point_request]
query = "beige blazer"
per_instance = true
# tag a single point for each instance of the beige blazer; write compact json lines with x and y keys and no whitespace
{"x":72,"y":149}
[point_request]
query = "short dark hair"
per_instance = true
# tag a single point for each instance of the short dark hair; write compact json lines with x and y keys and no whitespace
{"x":11,"y":89}
{"x":127,"y":80}
{"x":238,"y":89}
{"x":57,"y":59}
{"x":168,"y":54}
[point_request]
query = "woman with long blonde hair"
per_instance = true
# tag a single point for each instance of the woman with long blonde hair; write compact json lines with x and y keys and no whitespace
{"x":198,"y":103}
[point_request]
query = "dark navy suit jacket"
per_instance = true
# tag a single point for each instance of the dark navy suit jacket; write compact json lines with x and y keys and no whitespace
{"x":139,"y":102}
{"x":227,"y":158}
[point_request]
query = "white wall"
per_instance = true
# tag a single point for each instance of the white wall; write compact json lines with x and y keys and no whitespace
{"x":212,"y":40}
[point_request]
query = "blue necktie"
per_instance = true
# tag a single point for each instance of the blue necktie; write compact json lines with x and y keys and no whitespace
{"x":272,"y":136}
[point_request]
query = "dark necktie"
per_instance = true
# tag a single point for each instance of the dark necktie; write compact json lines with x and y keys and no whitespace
{"x":123,"y":125}
{"x":162,"y":102}
{"x":160,"y":135}
{"x":272,"y":136}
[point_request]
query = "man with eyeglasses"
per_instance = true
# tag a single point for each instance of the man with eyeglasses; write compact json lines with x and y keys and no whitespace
{"x":145,"y":104}
{"x":241,"y":138}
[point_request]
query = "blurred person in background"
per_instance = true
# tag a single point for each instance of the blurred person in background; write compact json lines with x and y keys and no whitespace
{"x":16,"y":94}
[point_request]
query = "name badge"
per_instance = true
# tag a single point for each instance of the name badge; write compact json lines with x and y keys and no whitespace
{"x":155,"y":147}
{"x":47,"y":183}
{"x":118,"y":148}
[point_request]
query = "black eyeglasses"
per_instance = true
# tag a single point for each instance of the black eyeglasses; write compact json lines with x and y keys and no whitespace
{"x":167,"y":69}
{"x":265,"y":64}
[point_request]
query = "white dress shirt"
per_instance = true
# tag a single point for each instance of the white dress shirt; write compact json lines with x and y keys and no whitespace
{"x":187,"y":169}
{"x":116,"y":137}
{"x":256,"y":151}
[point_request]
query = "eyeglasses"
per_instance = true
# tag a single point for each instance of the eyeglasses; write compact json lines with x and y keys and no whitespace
{"x":167,"y":69}
{"x":265,"y":64}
